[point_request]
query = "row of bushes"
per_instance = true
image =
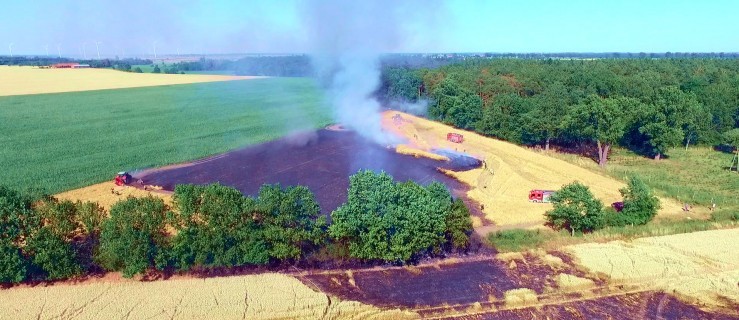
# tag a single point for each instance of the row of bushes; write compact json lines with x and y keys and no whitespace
{"x":577,"y":210}
{"x":42,"y":238}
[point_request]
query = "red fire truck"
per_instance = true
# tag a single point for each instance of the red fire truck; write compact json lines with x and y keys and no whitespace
{"x":540,"y":196}
{"x":455,"y":137}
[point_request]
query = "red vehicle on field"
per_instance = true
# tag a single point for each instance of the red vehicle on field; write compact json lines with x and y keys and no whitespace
{"x":122,"y":178}
{"x":540,"y":196}
{"x":455,"y":137}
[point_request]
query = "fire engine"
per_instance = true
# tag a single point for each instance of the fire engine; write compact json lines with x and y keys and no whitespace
{"x":455,"y":137}
{"x":540,"y":196}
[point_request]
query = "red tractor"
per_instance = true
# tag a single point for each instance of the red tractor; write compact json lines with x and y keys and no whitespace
{"x":455,"y":137}
{"x":122,"y":178}
{"x":540,"y":196}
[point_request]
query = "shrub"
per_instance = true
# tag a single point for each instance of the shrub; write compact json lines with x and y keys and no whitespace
{"x":215,"y":228}
{"x":575,"y":209}
{"x":134,"y":237}
{"x":458,"y":225}
{"x":640,"y":206}
{"x":16,"y":215}
{"x":52,"y":255}
{"x":290,"y":219}
{"x":13,"y":265}
{"x":218,"y":226}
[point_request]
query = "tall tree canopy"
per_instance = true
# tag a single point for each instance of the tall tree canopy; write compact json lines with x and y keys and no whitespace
{"x":602,"y":120}
{"x":394,"y":222}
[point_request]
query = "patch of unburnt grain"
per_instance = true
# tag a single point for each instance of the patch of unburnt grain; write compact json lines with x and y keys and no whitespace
{"x":264,"y":296}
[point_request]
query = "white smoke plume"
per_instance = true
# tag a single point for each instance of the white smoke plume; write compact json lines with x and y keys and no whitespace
{"x":418,"y":108}
{"x":346,"y":40}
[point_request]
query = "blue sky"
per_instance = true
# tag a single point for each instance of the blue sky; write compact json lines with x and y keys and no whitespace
{"x":455,"y":26}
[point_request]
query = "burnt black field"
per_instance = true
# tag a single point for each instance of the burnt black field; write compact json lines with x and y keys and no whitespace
{"x":321,"y":160}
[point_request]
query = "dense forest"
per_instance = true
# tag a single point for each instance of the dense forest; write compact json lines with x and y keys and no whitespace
{"x":647,"y":105}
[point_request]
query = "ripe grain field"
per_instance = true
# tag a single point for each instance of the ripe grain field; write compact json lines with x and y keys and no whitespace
{"x":69,"y":140}
{"x":30,"y":80}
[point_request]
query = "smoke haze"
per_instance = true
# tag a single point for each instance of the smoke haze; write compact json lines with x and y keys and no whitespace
{"x":346,"y":39}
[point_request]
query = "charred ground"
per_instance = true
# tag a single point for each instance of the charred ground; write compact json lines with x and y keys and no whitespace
{"x":322,"y":161}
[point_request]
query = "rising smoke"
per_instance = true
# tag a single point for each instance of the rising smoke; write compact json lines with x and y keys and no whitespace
{"x":346,"y":40}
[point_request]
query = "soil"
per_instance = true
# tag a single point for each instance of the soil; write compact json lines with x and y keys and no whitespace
{"x":476,"y":287}
{"x":646,"y":305}
{"x":322,"y":161}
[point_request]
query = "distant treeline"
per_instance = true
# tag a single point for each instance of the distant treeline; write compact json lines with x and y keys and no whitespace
{"x":45,"y":61}
{"x":647,"y":105}
{"x":214,"y":226}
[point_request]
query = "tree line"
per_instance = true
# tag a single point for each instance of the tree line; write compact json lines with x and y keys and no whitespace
{"x":214,"y":226}
{"x":647,"y":105}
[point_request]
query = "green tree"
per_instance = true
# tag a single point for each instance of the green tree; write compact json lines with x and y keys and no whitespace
{"x":138,"y":70}
{"x":674,"y":114}
{"x":601,"y":120}
{"x":216,"y":226}
{"x":156,"y":69}
{"x":134,"y":238}
{"x":394,"y":221}
{"x":504,"y":116}
{"x":731,"y":137}
{"x":640,"y":205}
{"x":401,"y":84}
{"x":13,"y":265}
{"x":458,"y":225}
{"x":291,"y":220}
{"x":61,"y":232}
{"x":455,"y":105}
{"x":575,"y":209}
{"x":16,"y":215}
{"x":546,"y":119}
{"x":661,"y":135}
{"x":53,"y":255}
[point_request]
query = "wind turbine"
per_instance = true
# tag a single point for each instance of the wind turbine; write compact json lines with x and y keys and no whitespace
{"x":59,"y":50}
{"x":47,"y":49}
{"x":84,"y":50}
{"x":10,"y":47}
{"x":97,"y":47}
{"x":155,"y":49}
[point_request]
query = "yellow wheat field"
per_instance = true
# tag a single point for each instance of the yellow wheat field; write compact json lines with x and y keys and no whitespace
{"x":106,"y":194}
{"x":502,"y":185}
{"x":31,"y":80}
{"x":264,"y":296}
{"x":701,"y":267}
